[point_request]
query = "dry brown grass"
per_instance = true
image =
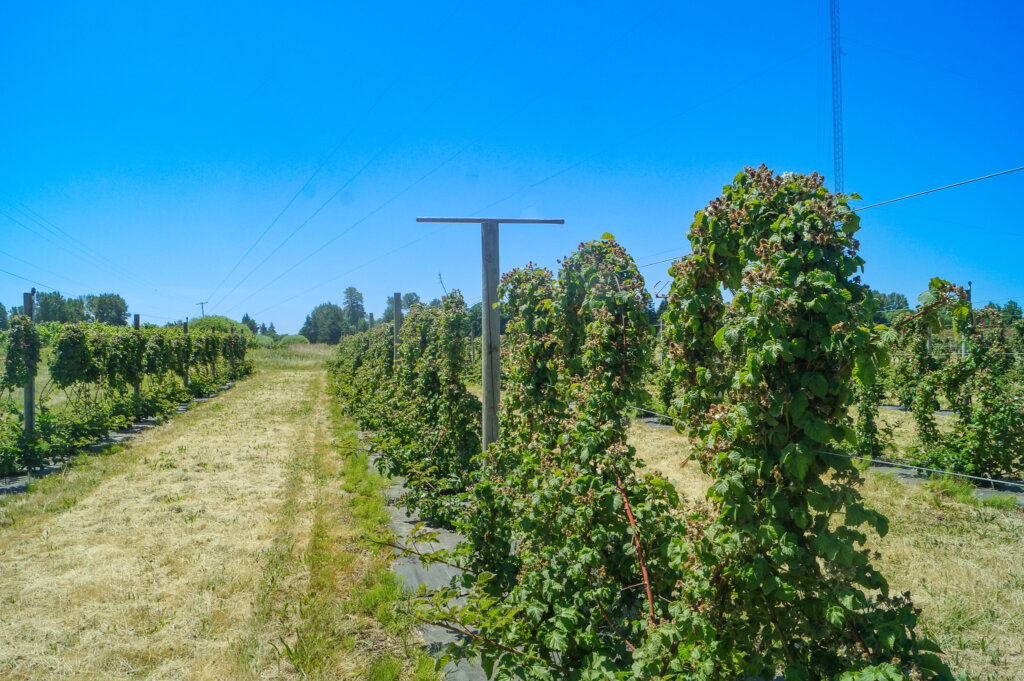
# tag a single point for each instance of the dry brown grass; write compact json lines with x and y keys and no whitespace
{"x":962,"y":562}
{"x":151,"y":562}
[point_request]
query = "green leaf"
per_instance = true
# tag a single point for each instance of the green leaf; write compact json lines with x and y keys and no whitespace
{"x":932,"y":663}
{"x":817,"y":430}
{"x":816,"y":383}
{"x":607,"y":236}
{"x":796,"y":462}
{"x":720,"y":338}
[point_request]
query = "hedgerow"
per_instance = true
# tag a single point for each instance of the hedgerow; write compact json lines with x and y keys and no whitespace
{"x":976,"y":378}
{"x":110,"y":377}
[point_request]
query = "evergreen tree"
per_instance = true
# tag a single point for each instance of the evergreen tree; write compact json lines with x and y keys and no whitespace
{"x":1011,"y":312}
{"x":250,"y":322}
{"x":355,"y":312}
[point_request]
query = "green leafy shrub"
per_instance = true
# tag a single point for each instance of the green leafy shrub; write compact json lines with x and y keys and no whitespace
{"x":779,"y":578}
{"x":219,"y":324}
{"x":21,"y":362}
{"x":292,"y":339}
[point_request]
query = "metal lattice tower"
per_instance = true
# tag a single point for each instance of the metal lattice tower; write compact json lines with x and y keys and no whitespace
{"x":837,"y":97}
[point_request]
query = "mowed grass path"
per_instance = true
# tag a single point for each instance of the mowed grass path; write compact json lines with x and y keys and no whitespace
{"x":225,"y":544}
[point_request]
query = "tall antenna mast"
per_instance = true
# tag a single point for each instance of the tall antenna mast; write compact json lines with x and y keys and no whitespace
{"x":837,"y":97}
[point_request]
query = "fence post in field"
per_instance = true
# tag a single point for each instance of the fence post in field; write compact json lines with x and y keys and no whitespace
{"x":188,"y":358}
{"x":135,"y":325}
{"x":397,"y":304}
{"x":30,"y":385}
{"x":371,"y":320}
{"x":490,"y":356}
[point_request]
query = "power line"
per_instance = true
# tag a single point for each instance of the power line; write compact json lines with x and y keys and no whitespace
{"x":80,"y":256}
{"x":601,"y":51}
{"x":939,"y":189}
{"x":41,"y":269}
{"x":939,"y":67}
{"x":883,"y":203}
{"x":354,"y":269}
{"x":349,"y":228}
{"x":340,"y":189}
{"x":335,"y":150}
{"x":63,"y":234}
{"x":31,"y":281}
{"x":648,"y":129}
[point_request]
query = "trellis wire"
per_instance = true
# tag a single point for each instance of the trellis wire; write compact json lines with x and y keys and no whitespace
{"x":880,"y":461}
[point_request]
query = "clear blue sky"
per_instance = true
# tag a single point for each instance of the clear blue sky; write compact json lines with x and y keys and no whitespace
{"x":167,"y":139}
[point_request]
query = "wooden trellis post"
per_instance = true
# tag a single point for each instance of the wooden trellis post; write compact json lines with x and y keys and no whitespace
{"x":397,"y":304}
{"x":188,"y":358}
{"x":490,"y":352}
{"x":135,"y":325}
{"x":30,"y":386}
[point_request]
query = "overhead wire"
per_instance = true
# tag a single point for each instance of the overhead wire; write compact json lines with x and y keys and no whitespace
{"x":939,"y":189}
{"x":349,"y":181}
{"x":91,"y":262}
{"x":481,"y":210}
{"x":650,"y":128}
{"x":41,"y":269}
{"x":601,"y":51}
{"x":31,"y":281}
{"x":61,"y":233}
{"x":901,"y":55}
{"x":335,"y":150}
{"x":883,"y":203}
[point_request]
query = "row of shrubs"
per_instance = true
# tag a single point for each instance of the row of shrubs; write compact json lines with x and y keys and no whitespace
{"x":977,"y":373}
{"x":102,"y":377}
{"x":577,"y":564}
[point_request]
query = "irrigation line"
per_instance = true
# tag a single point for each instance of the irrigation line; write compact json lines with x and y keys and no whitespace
{"x":880,"y":461}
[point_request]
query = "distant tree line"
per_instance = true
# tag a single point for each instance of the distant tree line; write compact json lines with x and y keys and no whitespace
{"x":107,"y":308}
{"x":328,"y":322}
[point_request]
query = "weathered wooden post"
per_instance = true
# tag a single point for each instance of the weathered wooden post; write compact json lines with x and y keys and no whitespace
{"x":28,"y":303}
{"x":397,"y":303}
{"x":489,"y":348}
{"x":188,"y":357}
{"x":371,"y":320}
{"x":135,"y":325}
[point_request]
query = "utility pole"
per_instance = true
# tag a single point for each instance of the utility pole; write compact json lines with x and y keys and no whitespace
{"x":28,"y":302}
{"x":489,"y":353}
{"x":396,"y":303}
{"x":837,"y":97}
{"x":202,"y":307}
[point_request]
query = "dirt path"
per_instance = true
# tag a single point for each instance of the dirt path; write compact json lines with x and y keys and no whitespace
{"x":150,"y":562}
